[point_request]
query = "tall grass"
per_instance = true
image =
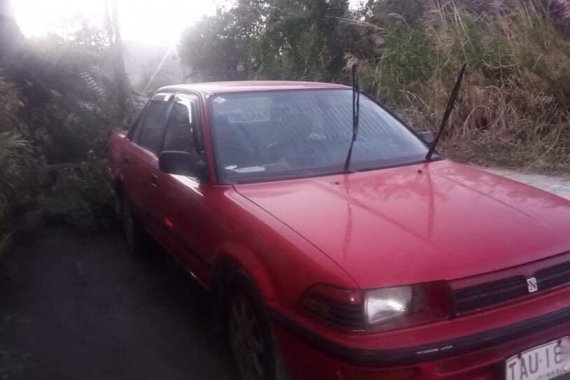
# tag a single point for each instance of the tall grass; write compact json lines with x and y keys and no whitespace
{"x":514,"y":108}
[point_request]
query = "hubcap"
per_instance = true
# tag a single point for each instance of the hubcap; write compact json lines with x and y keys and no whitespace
{"x":245,"y":338}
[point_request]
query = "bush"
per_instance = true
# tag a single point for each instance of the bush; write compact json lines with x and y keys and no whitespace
{"x":61,"y":114}
{"x":19,"y":176}
{"x":82,"y":196}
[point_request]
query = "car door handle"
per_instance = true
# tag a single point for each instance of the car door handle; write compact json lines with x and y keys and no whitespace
{"x":154,"y":180}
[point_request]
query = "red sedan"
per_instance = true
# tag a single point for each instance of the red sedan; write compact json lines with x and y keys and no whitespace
{"x":397,"y":268}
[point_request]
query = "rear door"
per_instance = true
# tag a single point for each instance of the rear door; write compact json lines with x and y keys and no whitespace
{"x":141,"y":156}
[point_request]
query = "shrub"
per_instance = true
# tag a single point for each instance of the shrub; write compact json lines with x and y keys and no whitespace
{"x":19,"y":174}
{"x":82,"y":196}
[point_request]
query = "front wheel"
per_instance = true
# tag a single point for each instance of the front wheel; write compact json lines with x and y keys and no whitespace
{"x":251,"y":339}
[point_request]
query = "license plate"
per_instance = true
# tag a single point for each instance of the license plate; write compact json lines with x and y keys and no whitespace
{"x":545,"y":362}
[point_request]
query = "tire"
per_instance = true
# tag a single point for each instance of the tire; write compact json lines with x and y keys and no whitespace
{"x":250,"y":337}
{"x":135,"y":237}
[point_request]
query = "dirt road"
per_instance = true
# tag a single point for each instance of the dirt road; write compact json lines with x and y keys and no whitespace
{"x":559,"y":185}
{"x":80,"y":307}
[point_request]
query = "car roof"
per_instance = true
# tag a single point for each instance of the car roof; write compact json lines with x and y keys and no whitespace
{"x":247,"y":86}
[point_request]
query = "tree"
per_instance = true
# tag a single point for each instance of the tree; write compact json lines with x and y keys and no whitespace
{"x":123,"y":88}
{"x":220,"y":47}
{"x":301,"y":40}
{"x":275,"y":39}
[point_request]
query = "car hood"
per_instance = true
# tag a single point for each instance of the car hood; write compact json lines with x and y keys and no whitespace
{"x":419,"y":223}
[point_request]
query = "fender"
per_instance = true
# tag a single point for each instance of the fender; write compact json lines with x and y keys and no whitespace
{"x":242,"y":257}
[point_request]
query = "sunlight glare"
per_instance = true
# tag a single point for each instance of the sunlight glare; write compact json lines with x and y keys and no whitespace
{"x":144,"y":21}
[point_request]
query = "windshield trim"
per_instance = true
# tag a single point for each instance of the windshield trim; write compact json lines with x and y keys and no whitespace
{"x":223,"y":180}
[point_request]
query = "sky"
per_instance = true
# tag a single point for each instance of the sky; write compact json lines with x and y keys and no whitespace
{"x":148,"y":21}
{"x":144,"y":21}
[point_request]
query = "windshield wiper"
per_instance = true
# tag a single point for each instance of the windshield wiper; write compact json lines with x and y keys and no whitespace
{"x":355,"y":111}
{"x":447,"y":113}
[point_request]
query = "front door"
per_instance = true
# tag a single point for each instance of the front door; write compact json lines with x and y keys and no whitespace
{"x":141,"y":155}
{"x":184,"y":212}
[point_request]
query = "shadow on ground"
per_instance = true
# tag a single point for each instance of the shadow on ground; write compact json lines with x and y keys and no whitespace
{"x":80,"y":307}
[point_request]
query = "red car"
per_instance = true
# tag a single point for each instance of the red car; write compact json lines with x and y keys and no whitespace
{"x":398,"y":268}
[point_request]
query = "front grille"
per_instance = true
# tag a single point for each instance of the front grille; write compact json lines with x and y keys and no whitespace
{"x":488,"y":294}
{"x":554,"y":276}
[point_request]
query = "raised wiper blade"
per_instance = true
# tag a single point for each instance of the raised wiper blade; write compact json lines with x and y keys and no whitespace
{"x":353,"y":64}
{"x":450,"y":106}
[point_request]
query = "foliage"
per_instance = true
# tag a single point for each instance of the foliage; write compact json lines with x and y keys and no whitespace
{"x":18,"y":166}
{"x":514,"y":108}
{"x":82,"y":196}
{"x":275,"y":39}
{"x":19,"y":176}
{"x":57,"y":105}
{"x":219,"y":47}
{"x":78,"y":107}
{"x":301,"y":40}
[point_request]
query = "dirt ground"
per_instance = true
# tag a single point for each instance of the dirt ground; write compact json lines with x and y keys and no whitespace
{"x":559,"y":185}
{"x":78,"y":306}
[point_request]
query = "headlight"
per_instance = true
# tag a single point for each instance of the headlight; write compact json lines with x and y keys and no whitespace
{"x":379,"y":309}
{"x":385,"y":304}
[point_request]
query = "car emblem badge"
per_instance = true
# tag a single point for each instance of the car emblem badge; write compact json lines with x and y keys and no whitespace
{"x":532,"y":284}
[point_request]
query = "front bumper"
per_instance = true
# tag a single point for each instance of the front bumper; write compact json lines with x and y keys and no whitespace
{"x":476,"y":356}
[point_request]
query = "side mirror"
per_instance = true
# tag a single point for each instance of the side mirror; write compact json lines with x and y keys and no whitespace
{"x":181,"y":163}
{"x":427,"y":136}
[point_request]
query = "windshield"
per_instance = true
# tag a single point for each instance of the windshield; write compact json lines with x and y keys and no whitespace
{"x":272,"y":135}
